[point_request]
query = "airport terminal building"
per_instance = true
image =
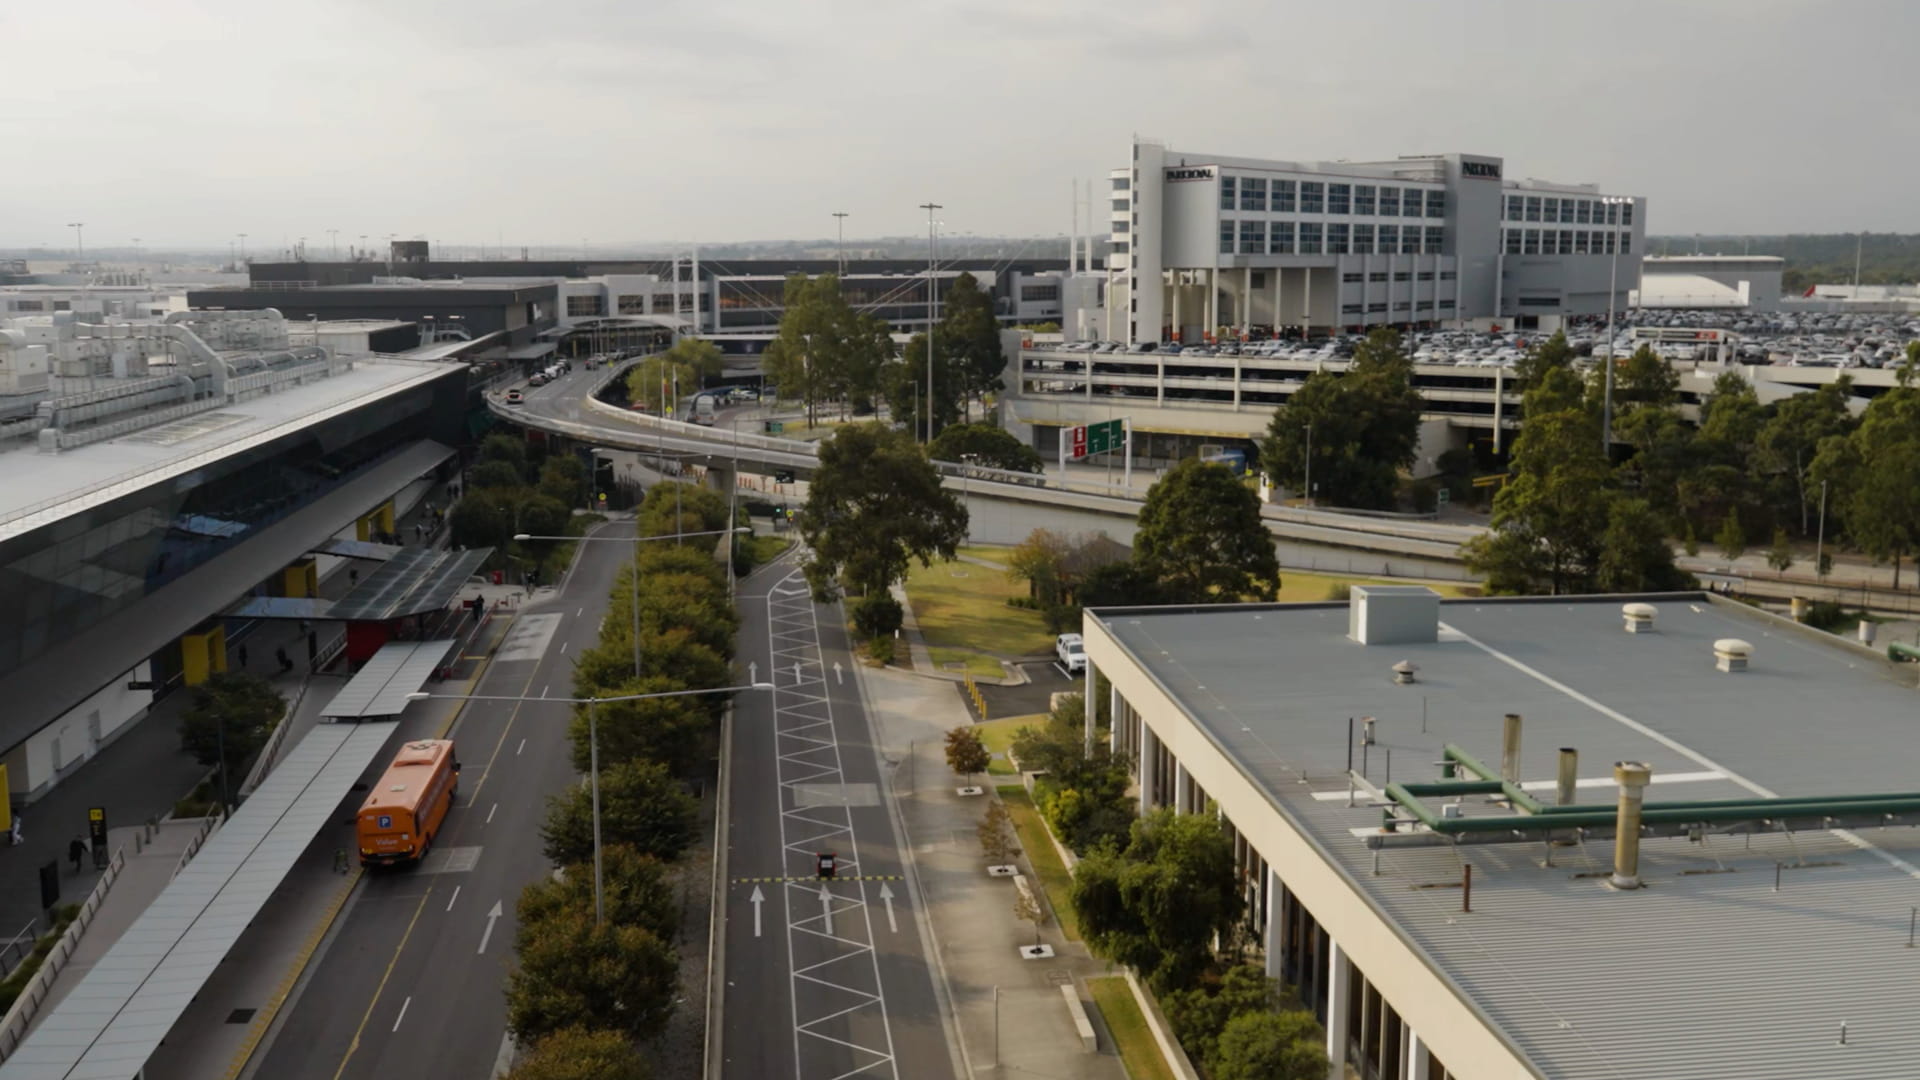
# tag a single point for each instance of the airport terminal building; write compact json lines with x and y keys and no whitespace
{"x":1207,"y":244}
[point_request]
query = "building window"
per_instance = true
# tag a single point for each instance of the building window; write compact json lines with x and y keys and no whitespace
{"x":1566,"y":211}
{"x":1613,"y":214}
{"x":633,"y":304}
{"x":1032,"y":294}
{"x":1226,"y":236}
{"x":1427,"y":275}
{"x":1352,"y":277}
{"x":1566,"y":241}
{"x":1226,"y":192}
{"x":1446,"y":305}
{"x":1337,"y":239}
{"x":1436,"y":204}
{"x":1516,"y":208}
{"x":1626,"y":243}
{"x":1403,"y":275}
{"x":1582,"y":212}
{"x":1389,"y":201}
{"x":1626,"y":214}
{"x":29,"y":305}
{"x":1389,"y":239}
{"x":585,"y":306}
{"x":1119,"y":183}
{"x":1410,"y":240}
{"x":1609,"y":247}
{"x":1580,"y":241}
{"x":1533,"y":208}
{"x":1550,"y":210}
{"x":1353,"y":309}
{"x":1339,"y":198}
{"x":1122,"y":226}
{"x":1448,"y":275}
{"x":1313,"y":198}
{"x":1283,"y":196}
{"x":1363,"y":239}
{"x":1118,"y":247}
{"x":1410,"y":203}
{"x":1531,"y":245}
{"x":1512,"y":246}
{"x":1399,"y":305}
{"x":1378,"y":307}
{"x":1253,"y":237}
{"x":1363,"y":199}
{"x":1280,"y":241}
{"x":1436,"y":239}
{"x":1253,"y":195}
{"x":1309,"y":238}
{"x":1377,"y":276}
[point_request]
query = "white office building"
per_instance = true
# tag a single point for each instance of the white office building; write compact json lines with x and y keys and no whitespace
{"x":1206,"y":244}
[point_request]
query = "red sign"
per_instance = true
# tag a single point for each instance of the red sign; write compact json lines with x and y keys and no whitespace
{"x":1079,"y":442}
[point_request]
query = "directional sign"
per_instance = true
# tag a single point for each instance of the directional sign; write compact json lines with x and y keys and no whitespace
{"x":1105,"y":436}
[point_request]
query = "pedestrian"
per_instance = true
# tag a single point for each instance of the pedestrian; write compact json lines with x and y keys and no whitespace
{"x":243,"y":656}
{"x":76,"y":850}
{"x":353,"y":575}
{"x":286,"y":662}
{"x":13,"y":831}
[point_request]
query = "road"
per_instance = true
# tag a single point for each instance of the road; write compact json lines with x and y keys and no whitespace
{"x":824,"y":979}
{"x":412,"y":981}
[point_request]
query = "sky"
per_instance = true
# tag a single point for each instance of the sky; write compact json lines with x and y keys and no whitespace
{"x":610,"y":122}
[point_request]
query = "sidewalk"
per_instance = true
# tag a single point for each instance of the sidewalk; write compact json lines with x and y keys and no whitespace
{"x":971,"y":914}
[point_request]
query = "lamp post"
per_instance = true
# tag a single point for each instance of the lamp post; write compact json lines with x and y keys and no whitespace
{"x":79,"y":241}
{"x":840,"y":241}
{"x":633,"y":579}
{"x":933,"y":303}
{"x":593,"y":744}
{"x":1613,"y":203}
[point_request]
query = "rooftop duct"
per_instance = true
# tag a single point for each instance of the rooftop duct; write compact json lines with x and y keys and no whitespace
{"x":1639,"y":617}
{"x":1403,"y":672}
{"x":1731,"y":654}
{"x":1393,"y":614}
{"x":1633,"y":777}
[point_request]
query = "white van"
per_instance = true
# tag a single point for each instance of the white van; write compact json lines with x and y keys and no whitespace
{"x":1072,"y":651}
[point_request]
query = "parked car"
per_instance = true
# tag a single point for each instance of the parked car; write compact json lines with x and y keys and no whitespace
{"x":1072,"y":651}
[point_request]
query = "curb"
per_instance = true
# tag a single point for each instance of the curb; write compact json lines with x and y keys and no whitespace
{"x":271,"y":1012}
{"x":716,"y":915}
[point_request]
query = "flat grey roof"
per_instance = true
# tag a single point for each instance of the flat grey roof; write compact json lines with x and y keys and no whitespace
{"x":110,"y":1024}
{"x":1701,"y":974}
{"x":380,"y":688}
{"x":46,"y":487}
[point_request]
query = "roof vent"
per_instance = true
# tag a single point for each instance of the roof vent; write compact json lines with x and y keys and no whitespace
{"x":1393,"y":614}
{"x":1403,"y":672}
{"x":1731,"y":654}
{"x":1639,"y":617}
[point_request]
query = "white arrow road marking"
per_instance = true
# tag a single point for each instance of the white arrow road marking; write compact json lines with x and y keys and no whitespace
{"x":886,"y":895}
{"x":826,"y":908}
{"x":837,"y":677}
{"x":758,"y":898}
{"x":492,"y":917}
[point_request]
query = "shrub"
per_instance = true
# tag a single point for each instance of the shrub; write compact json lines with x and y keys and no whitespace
{"x":880,"y":650}
{"x":877,"y":615}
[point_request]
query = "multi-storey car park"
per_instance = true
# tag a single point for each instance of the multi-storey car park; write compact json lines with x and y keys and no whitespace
{"x":1566,"y":838}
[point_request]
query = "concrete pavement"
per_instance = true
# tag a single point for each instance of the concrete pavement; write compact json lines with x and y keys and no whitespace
{"x":1010,"y":1009}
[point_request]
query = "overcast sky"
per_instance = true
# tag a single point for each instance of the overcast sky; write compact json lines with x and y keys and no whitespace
{"x":463,"y":121}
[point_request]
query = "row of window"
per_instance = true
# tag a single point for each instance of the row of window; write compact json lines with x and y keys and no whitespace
{"x":1259,"y":195}
{"x":1565,"y":241}
{"x":1247,"y":236}
{"x":1379,"y":307}
{"x":1566,"y":211}
{"x":1355,"y":277}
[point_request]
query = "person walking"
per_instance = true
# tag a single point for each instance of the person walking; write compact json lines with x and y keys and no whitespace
{"x":243,"y":656}
{"x":13,"y":831}
{"x":286,"y":662}
{"x":76,"y":850}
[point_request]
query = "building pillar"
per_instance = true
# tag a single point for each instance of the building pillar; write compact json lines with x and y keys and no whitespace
{"x":1176,"y":305}
{"x":1338,"y":980}
{"x":203,"y":653}
{"x":302,"y":579}
{"x":1276,"y":928}
{"x":1182,"y":789}
{"x":1306,"y":302}
{"x":1089,"y":708}
{"x":1115,"y":741}
{"x":1246,"y":302}
{"x":1416,"y":1068}
{"x":1213,"y":301}
{"x":1149,"y":763}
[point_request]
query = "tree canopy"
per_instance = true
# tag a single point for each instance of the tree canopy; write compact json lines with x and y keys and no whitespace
{"x":617,"y":978}
{"x":1157,"y":904}
{"x":1353,"y":432}
{"x":234,"y":709}
{"x":825,"y":348}
{"x":874,"y":506}
{"x":579,"y":1053}
{"x":641,"y":805}
{"x":1202,"y":539}
{"x":984,"y":444}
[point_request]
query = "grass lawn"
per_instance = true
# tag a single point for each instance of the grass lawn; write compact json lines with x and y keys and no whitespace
{"x":973,"y":663}
{"x":1044,"y":859}
{"x":990,"y":552}
{"x":1138,"y":1052}
{"x":998,"y":736}
{"x":764,"y":549}
{"x":1298,"y":586}
{"x":965,"y":606}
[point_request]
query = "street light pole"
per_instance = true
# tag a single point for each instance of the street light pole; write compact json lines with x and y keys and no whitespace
{"x":593,"y":766}
{"x":79,"y":241}
{"x":933,"y":304}
{"x":840,"y":241}
{"x":1613,"y":205}
{"x":1309,"y":492}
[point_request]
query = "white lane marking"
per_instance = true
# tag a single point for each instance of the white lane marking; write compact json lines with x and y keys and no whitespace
{"x":886,"y":897}
{"x":757,"y":899}
{"x":455,"y":896}
{"x":1584,"y":782}
{"x":544,"y":689}
{"x":493,"y":916}
{"x":523,"y":746}
{"x":563,"y":648}
{"x":503,"y":1061}
{"x":403,"y":1012}
{"x":491,"y":811}
{"x":580,"y":613}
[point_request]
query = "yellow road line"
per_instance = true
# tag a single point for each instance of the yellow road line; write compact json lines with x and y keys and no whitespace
{"x":264,"y":1019}
{"x":378,"y":990}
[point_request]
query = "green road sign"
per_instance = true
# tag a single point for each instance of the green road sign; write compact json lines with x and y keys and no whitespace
{"x":775,"y":427}
{"x":1102,"y":437}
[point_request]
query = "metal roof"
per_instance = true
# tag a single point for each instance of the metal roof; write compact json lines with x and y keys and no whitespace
{"x":382,"y":685}
{"x":356,"y":549}
{"x":110,"y":1024}
{"x":1588,"y":983}
{"x":415,"y":581}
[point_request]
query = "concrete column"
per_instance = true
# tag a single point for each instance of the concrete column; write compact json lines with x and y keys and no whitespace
{"x":1416,"y":1068}
{"x":1149,"y":758}
{"x":1116,"y":740}
{"x":1176,"y":304}
{"x":1246,"y":301}
{"x":1182,"y":789}
{"x":1213,"y":299}
{"x":1337,"y":1018}
{"x":1276,"y":929}
{"x":1092,"y":723}
{"x":1277,"y":272}
{"x":1306,"y":302}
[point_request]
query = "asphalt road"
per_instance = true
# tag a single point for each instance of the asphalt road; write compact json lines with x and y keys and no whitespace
{"x":818,"y":986}
{"x":411,"y":982}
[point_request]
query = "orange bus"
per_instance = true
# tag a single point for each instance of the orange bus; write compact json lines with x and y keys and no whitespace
{"x":407,"y":807}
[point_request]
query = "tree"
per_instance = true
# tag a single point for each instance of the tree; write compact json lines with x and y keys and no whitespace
{"x":669,"y":730}
{"x":1731,"y":417}
{"x":987,"y":445}
{"x":1040,"y":561}
{"x":1666,"y":461}
{"x":564,"y":480}
{"x":1786,"y":444}
{"x":996,"y":834}
{"x":484,"y":518}
{"x":970,"y":333}
{"x":1634,"y":553}
{"x":1157,"y":905}
{"x":824,"y":347}
{"x":1875,"y":475}
{"x":698,"y":355}
{"x":635,"y":891}
{"x":571,"y":972}
{"x":494,"y":475}
{"x":1548,"y":520}
{"x":1201,"y":1012}
{"x":874,"y":506}
{"x":1118,"y":584}
{"x":966,"y":754}
{"x":1027,"y":909}
{"x":1549,"y":355}
{"x":1732,"y":537}
{"x":904,"y":383}
{"x":232,"y":711}
{"x":1201,"y":537}
{"x":700,"y":509}
{"x":508,"y":449}
{"x":1362,"y":427}
{"x":641,"y":805}
{"x":1646,"y":379}
{"x":579,"y":1053}
{"x":1270,"y":1046}
{"x":1780,"y":556}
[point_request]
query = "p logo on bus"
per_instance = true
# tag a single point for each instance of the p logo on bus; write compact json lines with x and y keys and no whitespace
{"x":386,"y":821}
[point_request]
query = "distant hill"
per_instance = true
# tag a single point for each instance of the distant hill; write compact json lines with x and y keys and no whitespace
{"x":1814,"y":258}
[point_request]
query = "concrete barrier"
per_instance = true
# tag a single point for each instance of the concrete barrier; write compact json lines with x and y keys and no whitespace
{"x":1082,"y":1023}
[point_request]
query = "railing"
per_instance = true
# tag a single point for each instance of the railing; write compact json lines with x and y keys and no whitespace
{"x":263,"y":764}
{"x":13,"y":1029}
{"x":18,"y":947}
{"x":207,"y":825}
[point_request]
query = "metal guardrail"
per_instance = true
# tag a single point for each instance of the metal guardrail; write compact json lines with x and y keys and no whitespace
{"x":207,"y":825}
{"x":18,"y":947}
{"x":13,"y":1029}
